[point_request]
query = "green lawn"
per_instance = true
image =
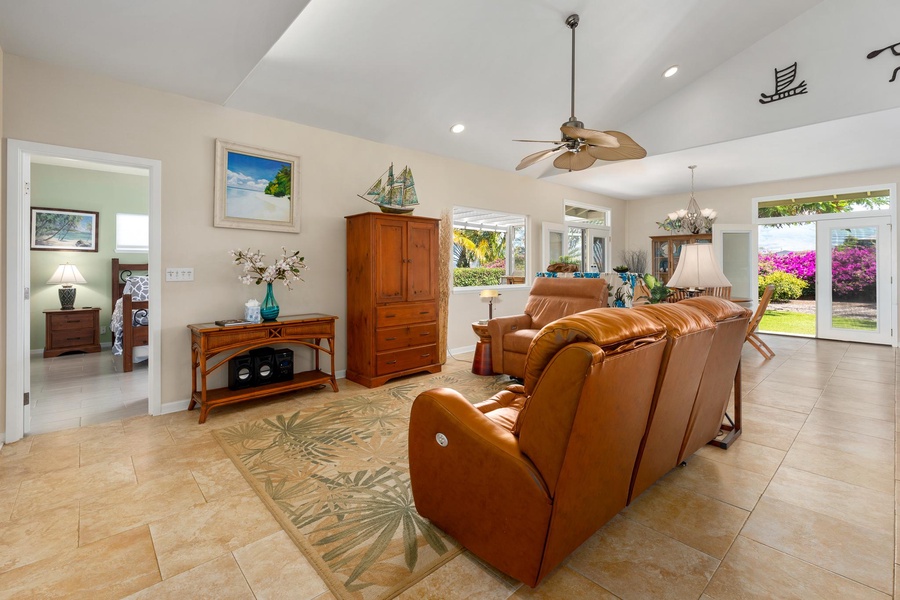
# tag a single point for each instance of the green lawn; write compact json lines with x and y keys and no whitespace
{"x":779,"y":321}
{"x":790,"y":322}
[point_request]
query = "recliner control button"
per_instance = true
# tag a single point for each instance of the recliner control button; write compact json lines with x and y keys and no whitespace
{"x":442,"y":439}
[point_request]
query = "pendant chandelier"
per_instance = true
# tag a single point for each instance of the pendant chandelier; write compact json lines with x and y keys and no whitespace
{"x":690,"y":220}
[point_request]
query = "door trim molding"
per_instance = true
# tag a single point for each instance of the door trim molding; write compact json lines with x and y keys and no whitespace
{"x":18,"y":159}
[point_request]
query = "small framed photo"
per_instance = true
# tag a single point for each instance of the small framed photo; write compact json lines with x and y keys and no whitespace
{"x":62,"y":229}
{"x":256,"y":188}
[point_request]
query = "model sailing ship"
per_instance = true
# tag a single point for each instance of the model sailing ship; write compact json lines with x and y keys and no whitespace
{"x":395,"y":195}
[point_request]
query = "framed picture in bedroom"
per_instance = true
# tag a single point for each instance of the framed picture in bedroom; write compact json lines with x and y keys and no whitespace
{"x":256,"y":188}
{"x":64,"y":229}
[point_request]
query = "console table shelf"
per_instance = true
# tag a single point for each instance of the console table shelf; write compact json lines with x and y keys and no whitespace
{"x":209,"y":340}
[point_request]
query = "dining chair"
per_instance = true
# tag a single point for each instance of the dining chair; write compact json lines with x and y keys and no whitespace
{"x":752,"y":335}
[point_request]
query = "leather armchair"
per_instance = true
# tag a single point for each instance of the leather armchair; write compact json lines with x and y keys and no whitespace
{"x":524,"y":478}
{"x":550,"y":299}
{"x":719,"y":370}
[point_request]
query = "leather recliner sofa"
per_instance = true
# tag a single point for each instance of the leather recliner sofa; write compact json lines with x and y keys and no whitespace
{"x":549,"y":299}
{"x":523,"y":478}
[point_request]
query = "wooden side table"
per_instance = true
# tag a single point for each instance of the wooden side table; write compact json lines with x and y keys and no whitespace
{"x":76,"y":330}
{"x":482,"y":365}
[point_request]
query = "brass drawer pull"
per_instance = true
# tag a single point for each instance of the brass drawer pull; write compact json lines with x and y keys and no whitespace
{"x":424,"y":334}
{"x":389,"y":316}
{"x":425,"y":355}
{"x":390,"y":339}
{"x":424,"y":312}
{"x":391,"y":362}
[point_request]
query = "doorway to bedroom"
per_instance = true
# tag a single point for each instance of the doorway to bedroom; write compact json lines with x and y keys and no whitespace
{"x":70,"y":213}
{"x":86,"y":218}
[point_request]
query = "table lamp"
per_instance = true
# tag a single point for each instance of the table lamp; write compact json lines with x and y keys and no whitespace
{"x":66,"y":275}
{"x":490,"y":295}
{"x":697,"y":269}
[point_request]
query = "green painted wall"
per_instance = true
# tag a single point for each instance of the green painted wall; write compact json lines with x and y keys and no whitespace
{"x":81,"y":189}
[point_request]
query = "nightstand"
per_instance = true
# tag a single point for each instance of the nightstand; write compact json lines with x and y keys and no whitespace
{"x":76,"y":330}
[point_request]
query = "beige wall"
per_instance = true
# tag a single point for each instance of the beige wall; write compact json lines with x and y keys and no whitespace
{"x":80,"y":189}
{"x":2,"y":255}
{"x":734,"y":204}
{"x":72,"y":108}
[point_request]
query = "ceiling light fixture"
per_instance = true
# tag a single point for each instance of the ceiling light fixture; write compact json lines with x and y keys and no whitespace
{"x":458,"y":128}
{"x":670,"y":71}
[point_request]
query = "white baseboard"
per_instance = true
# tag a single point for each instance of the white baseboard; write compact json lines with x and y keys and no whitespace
{"x":462,"y":350}
{"x":171,"y":407}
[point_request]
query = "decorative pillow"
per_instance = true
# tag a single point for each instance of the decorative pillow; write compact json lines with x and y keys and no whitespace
{"x":139,"y":287}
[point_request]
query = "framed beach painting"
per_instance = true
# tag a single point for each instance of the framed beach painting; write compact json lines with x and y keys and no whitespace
{"x":63,"y":229}
{"x":256,"y":188}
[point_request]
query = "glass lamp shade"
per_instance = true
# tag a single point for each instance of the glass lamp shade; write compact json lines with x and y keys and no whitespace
{"x":66,"y":275}
{"x":697,"y":268}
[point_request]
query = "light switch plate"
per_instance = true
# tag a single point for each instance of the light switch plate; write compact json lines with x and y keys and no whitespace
{"x":179,"y":273}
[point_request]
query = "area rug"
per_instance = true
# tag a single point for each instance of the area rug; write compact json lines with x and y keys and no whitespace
{"x":336,"y":476}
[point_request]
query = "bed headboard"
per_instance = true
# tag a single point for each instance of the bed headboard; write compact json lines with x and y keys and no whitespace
{"x":121,"y":272}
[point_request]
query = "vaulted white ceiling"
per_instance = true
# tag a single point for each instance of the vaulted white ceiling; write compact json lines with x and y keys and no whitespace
{"x":402,"y":72}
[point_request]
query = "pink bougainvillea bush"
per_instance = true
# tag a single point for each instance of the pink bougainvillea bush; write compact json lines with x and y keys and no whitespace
{"x":853,"y":270}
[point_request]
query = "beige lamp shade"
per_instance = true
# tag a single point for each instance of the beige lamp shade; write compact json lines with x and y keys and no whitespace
{"x":697,"y":268}
{"x":66,"y":275}
{"x":489,"y":293}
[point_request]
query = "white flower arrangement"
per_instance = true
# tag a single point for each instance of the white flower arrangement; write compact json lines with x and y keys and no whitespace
{"x":287,"y":268}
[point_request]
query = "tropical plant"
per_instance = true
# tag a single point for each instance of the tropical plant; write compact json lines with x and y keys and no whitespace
{"x":280,"y":186}
{"x":853,"y":271}
{"x":658,"y":290}
{"x":787,"y":286}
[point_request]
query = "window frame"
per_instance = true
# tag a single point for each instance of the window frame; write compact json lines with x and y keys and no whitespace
{"x":526,"y":223}
{"x":120,"y":249}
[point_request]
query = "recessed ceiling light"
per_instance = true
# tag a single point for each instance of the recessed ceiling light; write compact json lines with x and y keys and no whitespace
{"x":671,"y":71}
{"x":458,"y":128}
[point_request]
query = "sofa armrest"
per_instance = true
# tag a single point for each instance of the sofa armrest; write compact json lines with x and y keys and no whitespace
{"x":479,"y":487}
{"x":498,"y":328}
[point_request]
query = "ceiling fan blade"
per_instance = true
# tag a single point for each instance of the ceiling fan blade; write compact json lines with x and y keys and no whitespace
{"x":574,"y":161}
{"x":592,"y":136}
{"x":540,"y":141}
{"x":628,"y":149}
{"x":537,"y":156}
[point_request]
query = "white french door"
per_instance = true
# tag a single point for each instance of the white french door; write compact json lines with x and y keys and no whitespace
{"x":853,"y":280}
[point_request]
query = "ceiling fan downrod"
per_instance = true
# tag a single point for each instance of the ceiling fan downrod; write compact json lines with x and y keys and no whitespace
{"x":572,"y":23}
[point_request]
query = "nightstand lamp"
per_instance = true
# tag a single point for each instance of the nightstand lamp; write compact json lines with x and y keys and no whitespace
{"x":66,"y":275}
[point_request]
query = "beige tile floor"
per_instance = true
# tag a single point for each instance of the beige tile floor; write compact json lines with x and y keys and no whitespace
{"x":802,"y":506}
{"x":74,"y":390}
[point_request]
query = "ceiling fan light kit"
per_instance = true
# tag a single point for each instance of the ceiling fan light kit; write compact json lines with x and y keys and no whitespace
{"x":580,"y":147}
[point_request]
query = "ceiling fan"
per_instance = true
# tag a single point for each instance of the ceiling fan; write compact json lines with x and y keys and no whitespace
{"x":579,"y":147}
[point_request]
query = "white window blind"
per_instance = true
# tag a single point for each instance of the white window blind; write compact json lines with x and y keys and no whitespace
{"x":132,"y":233}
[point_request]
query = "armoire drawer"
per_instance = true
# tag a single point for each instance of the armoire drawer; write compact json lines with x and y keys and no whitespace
{"x":400,"y":360}
{"x":394,"y":338}
{"x":405,"y":314}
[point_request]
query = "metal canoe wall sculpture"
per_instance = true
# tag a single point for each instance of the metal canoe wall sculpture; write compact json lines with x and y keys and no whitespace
{"x":895,"y":50}
{"x":784,"y":79}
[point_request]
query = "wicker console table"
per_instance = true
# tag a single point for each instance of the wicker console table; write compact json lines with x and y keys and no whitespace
{"x":209,"y":340}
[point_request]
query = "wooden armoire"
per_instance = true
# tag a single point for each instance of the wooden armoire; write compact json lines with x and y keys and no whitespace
{"x":392,"y":297}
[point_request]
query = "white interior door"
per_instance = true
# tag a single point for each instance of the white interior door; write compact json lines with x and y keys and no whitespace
{"x":853,"y":280}
{"x":736,"y":250}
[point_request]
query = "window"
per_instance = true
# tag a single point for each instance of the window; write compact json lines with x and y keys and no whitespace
{"x":132,"y":233}
{"x":588,"y":236}
{"x":489,"y":248}
{"x":788,"y":209}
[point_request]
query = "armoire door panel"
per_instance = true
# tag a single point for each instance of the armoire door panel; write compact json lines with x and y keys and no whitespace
{"x":421,"y":264}
{"x":390,"y":270}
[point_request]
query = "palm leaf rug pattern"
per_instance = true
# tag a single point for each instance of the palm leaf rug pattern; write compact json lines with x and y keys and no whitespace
{"x":336,"y":476}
